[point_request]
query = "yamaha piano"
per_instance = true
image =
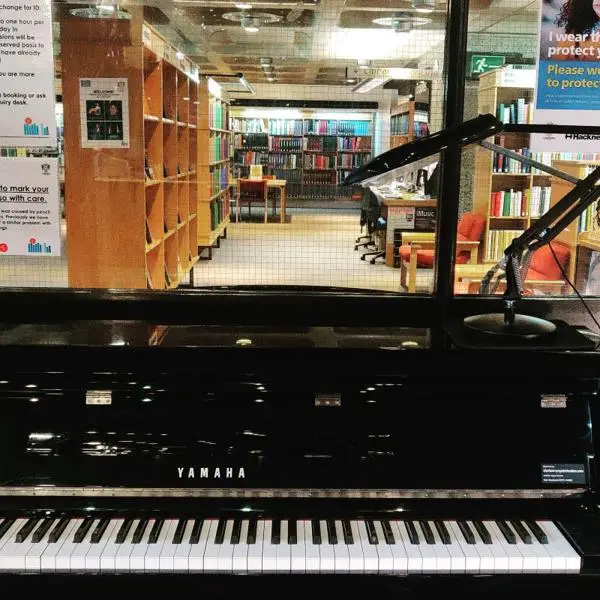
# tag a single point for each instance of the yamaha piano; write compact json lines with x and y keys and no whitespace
{"x":263,"y":460}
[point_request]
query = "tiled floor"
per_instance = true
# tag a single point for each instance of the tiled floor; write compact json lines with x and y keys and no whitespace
{"x":315,"y":249}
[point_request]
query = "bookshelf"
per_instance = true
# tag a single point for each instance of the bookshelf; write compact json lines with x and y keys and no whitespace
{"x":408,"y":121}
{"x":213,"y":149}
{"x":131,"y":211}
{"x":313,"y":155}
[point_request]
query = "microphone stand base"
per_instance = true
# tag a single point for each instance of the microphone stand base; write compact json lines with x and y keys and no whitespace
{"x":523,"y":326}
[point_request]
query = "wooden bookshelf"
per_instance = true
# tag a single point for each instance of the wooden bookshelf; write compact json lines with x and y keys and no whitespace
{"x":313,"y":155}
{"x":131,"y":211}
{"x":214,"y":173}
{"x":408,"y":121}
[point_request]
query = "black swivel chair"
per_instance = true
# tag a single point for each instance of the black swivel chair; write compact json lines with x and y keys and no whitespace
{"x":366,"y":212}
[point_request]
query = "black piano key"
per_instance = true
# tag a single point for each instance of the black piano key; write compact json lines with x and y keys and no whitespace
{"x":42,"y":530}
{"x":537,"y":531}
{"x":522,"y":532}
{"x":124,"y":530}
{"x":178,"y":535}
{"x":316,"y":531}
{"x":507,"y":532}
{"x":220,"y":533}
{"x":155,"y":531}
{"x":466,"y":531}
{"x":58,"y":530}
{"x":331,"y":532}
{"x":442,"y":532}
{"x":236,"y":531}
{"x":292,"y":532}
{"x":99,"y":531}
{"x":484,"y":534}
{"x":196,"y":530}
{"x":27,"y":528}
{"x":140,"y":529}
{"x":347,"y":529}
{"x":5,"y":526}
{"x":429,"y":538}
{"x":387,"y":532}
{"x":276,"y":531}
{"x":371,"y":532}
{"x":82,"y":530}
{"x":252,"y":531}
{"x":413,"y":536}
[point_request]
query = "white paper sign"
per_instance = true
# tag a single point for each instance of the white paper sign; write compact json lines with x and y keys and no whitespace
{"x":27,"y":95}
{"x":104,"y":111}
{"x":29,"y":207}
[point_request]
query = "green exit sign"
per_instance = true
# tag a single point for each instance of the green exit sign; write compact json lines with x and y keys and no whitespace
{"x":481,"y":63}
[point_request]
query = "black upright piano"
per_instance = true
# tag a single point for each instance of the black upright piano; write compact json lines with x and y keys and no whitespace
{"x":243,"y":461}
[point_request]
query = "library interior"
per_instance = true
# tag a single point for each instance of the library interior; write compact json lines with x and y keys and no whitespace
{"x":224,"y":161}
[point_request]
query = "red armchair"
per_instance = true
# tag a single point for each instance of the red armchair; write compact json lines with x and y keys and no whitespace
{"x":418,"y":249}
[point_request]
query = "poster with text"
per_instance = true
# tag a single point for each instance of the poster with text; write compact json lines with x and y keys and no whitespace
{"x":29,"y":207}
{"x":568,"y":73}
{"x":27,"y":95}
{"x":104,"y":110}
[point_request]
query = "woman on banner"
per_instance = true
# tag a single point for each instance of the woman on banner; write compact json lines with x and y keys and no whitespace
{"x":581,"y":18}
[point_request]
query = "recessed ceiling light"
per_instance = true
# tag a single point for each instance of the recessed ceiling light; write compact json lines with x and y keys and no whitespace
{"x":243,"y":5}
{"x":351,"y":80}
{"x":180,"y":55}
{"x":423,"y":6}
{"x":251,"y":29}
{"x":270,"y":78}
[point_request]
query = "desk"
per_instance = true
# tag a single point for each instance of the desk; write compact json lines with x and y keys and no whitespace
{"x":279,"y":184}
{"x":395,"y":212}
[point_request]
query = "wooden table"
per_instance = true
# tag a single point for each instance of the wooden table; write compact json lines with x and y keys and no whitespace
{"x":281,"y":185}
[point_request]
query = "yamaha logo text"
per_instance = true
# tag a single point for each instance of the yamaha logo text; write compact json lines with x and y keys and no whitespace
{"x":211,"y":473}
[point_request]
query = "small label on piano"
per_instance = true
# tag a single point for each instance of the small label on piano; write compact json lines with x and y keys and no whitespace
{"x":563,"y":473}
{"x":554,"y":401}
{"x":98,"y":397}
{"x":328,"y":399}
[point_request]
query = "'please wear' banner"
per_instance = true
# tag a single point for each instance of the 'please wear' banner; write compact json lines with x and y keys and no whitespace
{"x":568,"y":73}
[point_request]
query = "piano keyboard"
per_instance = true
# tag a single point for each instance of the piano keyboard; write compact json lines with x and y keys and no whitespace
{"x":396,"y":547}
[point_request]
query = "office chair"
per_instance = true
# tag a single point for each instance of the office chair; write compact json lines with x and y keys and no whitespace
{"x":369,"y":205}
{"x":379,"y":234}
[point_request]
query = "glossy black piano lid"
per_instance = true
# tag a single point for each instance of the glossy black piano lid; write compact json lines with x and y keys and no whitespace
{"x":290,"y":431}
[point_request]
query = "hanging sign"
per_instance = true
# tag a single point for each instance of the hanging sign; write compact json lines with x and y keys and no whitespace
{"x":568,"y":74}
{"x":29,"y":207}
{"x":104,"y":112}
{"x":27,"y":95}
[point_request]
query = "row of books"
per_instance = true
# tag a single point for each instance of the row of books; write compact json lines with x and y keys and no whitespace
{"x":321,"y":144}
{"x":283,"y":161}
{"x":219,"y":209}
{"x":505,"y":164}
{"x":218,"y":148}
{"x":354,"y":144}
{"x":250,"y":157}
{"x":6,"y":152}
{"x":420,"y":129}
{"x":335,"y":127}
{"x":498,"y":240}
{"x":218,"y":116}
{"x":516,"y":111}
{"x":351,"y":161}
{"x":319,"y":161}
{"x":219,"y":180}
{"x":255,"y":141}
{"x":520,"y":203}
{"x":285,"y":144}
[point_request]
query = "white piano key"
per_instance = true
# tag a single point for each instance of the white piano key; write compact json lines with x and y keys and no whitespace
{"x":152,"y":557}
{"x":565,"y":559}
{"x":398,"y":549}
{"x":414,"y":558}
{"x":492,"y":558}
{"x":269,"y":551}
{"x":341,"y":551}
{"x":181,"y":556}
{"x":10,"y":534}
{"x":196,"y":554}
{"x":12,"y":554}
{"x":298,"y":550}
{"x":137,"y":558}
{"x":92,"y":558}
{"x":535,"y":556}
{"x":284,"y":550}
{"x":386,"y":558}
{"x":58,"y":554}
{"x":255,"y":550}
{"x":211,"y":552}
{"x":80,"y":550}
{"x":108,"y":558}
{"x":166,"y":560}
{"x":442,"y":553}
{"x":313,"y":556}
{"x":515,"y":558}
{"x":326,"y":551}
{"x":355,"y":552}
{"x":458,"y":562}
{"x":370,"y":556}
{"x":33,"y":560}
{"x":472,"y":560}
{"x":427,"y":551}
{"x":240,"y":550}
{"x":125,"y":549}
{"x":225,"y":560}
